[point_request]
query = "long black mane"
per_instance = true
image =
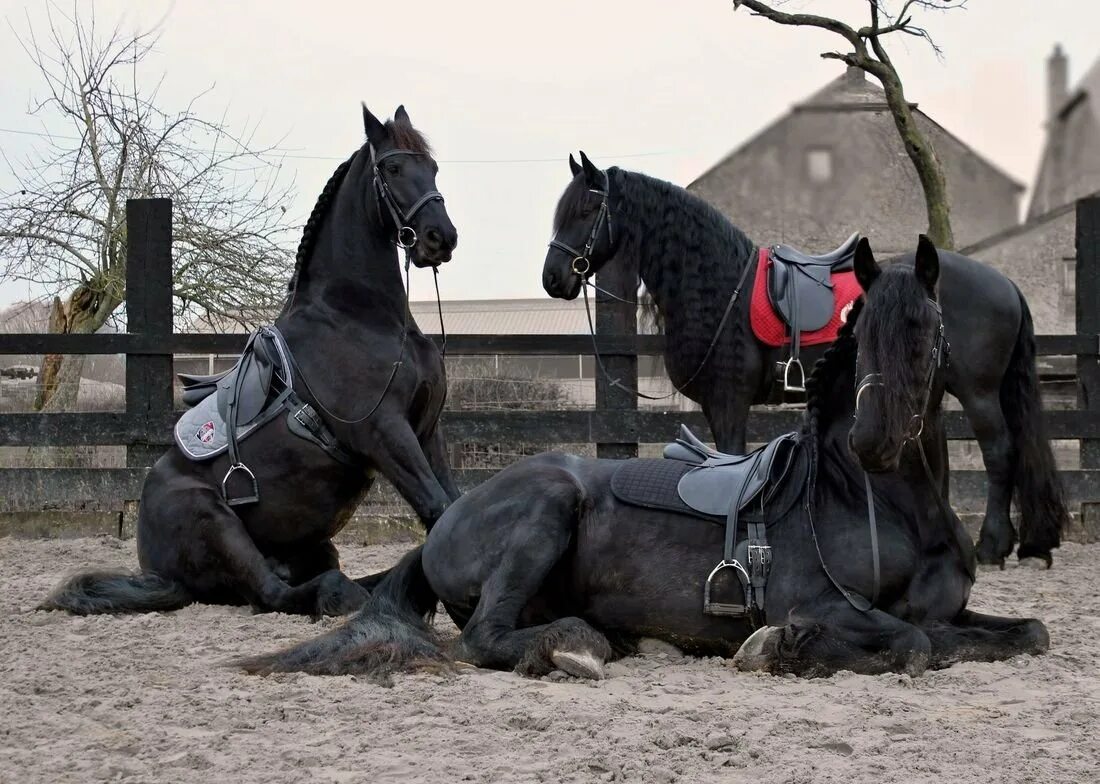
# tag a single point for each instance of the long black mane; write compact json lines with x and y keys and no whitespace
{"x":404,"y":137}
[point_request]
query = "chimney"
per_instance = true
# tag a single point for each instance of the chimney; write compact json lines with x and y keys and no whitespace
{"x":1057,"y":81}
{"x":854,"y":75}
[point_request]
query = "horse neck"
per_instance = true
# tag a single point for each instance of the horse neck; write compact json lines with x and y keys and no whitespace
{"x":353,"y":271}
{"x":690,"y":263}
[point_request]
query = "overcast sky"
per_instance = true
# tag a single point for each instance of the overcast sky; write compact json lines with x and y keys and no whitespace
{"x":506,"y":89}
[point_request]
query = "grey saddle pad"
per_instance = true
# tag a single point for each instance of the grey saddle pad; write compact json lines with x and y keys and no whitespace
{"x":202,"y":433}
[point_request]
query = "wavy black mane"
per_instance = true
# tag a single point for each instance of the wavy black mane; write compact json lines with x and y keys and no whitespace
{"x":838,"y":361}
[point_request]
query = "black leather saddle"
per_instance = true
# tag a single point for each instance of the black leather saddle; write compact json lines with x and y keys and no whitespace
{"x":800,"y":289}
{"x":747,"y":491}
{"x":250,"y":394}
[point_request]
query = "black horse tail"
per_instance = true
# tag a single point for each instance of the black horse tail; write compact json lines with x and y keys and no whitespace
{"x":390,"y":634}
{"x":1039,"y":494}
{"x":97,"y":593}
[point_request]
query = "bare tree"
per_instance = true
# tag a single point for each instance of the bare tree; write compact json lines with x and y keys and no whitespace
{"x":869,"y":54}
{"x":64,"y":224}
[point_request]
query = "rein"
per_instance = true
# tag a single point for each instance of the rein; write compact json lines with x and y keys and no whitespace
{"x":582,"y":267}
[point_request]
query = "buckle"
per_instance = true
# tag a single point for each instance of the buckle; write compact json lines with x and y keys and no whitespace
{"x":306,"y":417}
{"x":760,"y":559}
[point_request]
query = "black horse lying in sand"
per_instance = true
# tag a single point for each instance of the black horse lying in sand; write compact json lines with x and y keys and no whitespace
{"x":374,"y":387}
{"x":544,"y":567}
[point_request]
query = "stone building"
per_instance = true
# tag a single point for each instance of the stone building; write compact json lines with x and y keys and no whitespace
{"x":1039,"y":254}
{"x":834,"y":164}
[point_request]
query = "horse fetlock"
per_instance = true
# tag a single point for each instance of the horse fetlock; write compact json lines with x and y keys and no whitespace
{"x":994,"y":545}
{"x":338,"y":595}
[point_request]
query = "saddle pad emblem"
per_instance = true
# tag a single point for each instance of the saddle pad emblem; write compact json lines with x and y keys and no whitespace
{"x":845,"y":311}
{"x":206,"y":432}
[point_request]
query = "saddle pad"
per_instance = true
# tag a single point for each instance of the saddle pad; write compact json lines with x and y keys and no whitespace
{"x":651,"y":483}
{"x":201,"y":433}
{"x":769,"y":327}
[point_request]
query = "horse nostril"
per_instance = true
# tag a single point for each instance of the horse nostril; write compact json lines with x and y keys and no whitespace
{"x":433,"y":238}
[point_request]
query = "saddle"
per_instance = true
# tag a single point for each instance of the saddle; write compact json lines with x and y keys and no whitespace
{"x":697,"y":480}
{"x":228,"y":407}
{"x":800,"y":289}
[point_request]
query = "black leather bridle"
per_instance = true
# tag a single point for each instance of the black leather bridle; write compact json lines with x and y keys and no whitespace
{"x":406,"y":237}
{"x":582,"y":263}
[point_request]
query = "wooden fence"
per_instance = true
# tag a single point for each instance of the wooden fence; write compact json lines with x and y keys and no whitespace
{"x":615,"y":425}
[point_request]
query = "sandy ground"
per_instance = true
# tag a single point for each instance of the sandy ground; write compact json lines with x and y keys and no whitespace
{"x":144,"y":698}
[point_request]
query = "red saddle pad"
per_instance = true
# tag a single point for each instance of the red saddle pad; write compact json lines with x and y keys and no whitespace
{"x":770,"y":329}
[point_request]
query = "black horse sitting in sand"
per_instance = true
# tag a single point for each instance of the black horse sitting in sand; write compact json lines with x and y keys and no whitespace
{"x":865,"y":567}
{"x":252,"y":522}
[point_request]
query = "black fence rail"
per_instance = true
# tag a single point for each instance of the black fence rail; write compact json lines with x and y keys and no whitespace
{"x":615,"y":425}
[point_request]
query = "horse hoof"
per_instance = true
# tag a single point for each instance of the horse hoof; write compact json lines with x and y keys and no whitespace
{"x":1036,"y":562}
{"x":579,"y":665}
{"x":755,"y":653}
{"x":997,"y":566}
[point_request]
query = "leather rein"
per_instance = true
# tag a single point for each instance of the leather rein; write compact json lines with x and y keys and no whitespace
{"x":582,"y":267}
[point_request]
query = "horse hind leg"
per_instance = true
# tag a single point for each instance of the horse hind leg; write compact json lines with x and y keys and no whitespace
{"x":997,"y":536}
{"x":492,"y":638}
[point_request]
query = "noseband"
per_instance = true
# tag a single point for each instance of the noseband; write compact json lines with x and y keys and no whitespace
{"x":941,"y":349}
{"x":582,"y":263}
{"x":406,"y":236}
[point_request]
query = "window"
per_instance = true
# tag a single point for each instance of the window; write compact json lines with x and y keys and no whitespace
{"x":819,"y":165}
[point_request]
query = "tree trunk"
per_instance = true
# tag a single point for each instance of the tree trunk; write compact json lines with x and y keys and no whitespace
{"x":924,"y":159}
{"x":83,"y":314}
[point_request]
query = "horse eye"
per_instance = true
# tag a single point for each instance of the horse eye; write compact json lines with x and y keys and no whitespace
{"x":393,"y":169}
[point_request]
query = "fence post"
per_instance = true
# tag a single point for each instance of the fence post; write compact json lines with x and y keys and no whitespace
{"x":149,"y":313}
{"x":617,"y":318}
{"x":1088,"y":317}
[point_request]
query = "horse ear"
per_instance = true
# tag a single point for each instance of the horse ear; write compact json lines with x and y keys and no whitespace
{"x":927,"y":265}
{"x":592,"y":175}
{"x":376,"y":131}
{"x":402,"y":116}
{"x":867,"y":269}
{"x":573,"y":165}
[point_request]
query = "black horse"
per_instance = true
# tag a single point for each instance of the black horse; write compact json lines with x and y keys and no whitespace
{"x":544,"y":566}
{"x":376,"y":381}
{"x":691,"y":258}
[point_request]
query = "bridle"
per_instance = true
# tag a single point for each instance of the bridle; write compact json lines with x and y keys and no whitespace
{"x":582,"y":262}
{"x":582,"y":267}
{"x":406,"y":236}
{"x":941,"y":351}
{"x":405,"y":239}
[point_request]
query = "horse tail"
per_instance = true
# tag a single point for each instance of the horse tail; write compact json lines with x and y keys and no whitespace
{"x":390,"y":634}
{"x":104,"y":592}
{"x":1039,"y":494}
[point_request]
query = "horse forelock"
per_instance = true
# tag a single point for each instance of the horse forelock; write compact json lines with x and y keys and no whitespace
{"x":406,"y":137}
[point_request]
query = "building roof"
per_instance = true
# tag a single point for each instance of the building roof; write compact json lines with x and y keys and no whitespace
{"x":852,"y":92}
{"x":539,"y":316}
{"x":1087,"y":92}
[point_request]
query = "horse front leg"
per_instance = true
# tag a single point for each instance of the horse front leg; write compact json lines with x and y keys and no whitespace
{"x":395,"y":451}
{"x":997,"y":536}
{"x":977,"y":637}
{"x":822,"y":640}
{"x":435,"y":448}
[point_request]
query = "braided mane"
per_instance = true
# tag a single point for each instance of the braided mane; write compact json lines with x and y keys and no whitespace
{"x":320,"y":209}
{"x":838,"y":358}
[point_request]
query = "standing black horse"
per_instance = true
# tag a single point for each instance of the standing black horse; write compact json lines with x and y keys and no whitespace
{"x":545,"y":565}
{"x":691,"y":259}
{"x":365,"y":370}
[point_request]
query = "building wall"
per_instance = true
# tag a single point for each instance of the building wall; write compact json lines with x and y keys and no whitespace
{"x":1070,"y":168}
{"x":1040,"y":259}
{"x":767,"y":191}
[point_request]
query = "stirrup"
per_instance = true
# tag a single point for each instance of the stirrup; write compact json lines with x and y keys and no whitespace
{"x":244,"y":499}
{"x":787,"y":385}
{"x":723,"y":608}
